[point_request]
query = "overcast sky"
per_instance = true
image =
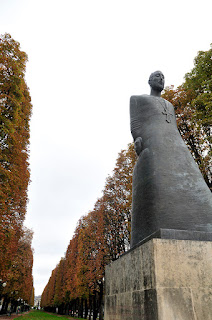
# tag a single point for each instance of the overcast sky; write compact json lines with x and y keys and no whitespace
{"x":86,"y":58}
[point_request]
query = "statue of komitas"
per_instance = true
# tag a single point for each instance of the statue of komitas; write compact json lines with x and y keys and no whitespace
{"x":169,"y":191}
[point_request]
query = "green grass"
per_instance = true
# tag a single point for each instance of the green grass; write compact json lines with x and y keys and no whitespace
{"x":35,"y":314}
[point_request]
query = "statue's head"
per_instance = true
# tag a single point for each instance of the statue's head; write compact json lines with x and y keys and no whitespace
{"x":157,"y":81}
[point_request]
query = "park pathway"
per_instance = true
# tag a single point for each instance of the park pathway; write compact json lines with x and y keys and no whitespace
{"x":13,"y":316}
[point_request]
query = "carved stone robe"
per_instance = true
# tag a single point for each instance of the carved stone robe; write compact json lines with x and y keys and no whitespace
{"x":169,"y":191}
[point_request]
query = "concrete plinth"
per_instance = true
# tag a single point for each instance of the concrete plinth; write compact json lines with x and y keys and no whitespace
{"x":161,"y":280}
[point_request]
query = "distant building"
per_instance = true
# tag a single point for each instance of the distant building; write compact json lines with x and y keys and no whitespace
{"x":37,"y":302}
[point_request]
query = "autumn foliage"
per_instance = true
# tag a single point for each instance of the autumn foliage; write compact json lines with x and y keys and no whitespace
{"x":101,"y":236}
{"x":15,"y":111}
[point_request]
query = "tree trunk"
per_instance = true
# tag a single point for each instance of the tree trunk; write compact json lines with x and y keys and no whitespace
{"x":86,"y":308}
{"x":90,"y":306}
{"x":95,"y":306}
{"x":101,"y":302}
{"x":80,"y":312}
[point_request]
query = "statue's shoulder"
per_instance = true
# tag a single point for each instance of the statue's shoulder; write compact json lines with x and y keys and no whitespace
{"x":139,"y":99}
{"x":169,"y":103}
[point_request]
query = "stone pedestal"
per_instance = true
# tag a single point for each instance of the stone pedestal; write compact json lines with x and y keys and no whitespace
{"x":161,"y":279}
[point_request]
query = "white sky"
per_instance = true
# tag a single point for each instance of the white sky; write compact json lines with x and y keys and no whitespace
{"x":86,"y":58}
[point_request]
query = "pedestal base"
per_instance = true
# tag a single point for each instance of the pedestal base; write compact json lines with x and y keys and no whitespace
{"x":161,"y":280}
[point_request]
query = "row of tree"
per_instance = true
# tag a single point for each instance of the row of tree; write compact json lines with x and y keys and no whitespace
{"x":16,"y":256}
{"x":76,"y":285}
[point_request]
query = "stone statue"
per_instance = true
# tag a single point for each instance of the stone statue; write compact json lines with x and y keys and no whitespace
{"x":169,"y":191}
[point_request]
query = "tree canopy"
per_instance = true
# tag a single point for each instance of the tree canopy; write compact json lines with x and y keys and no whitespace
{"x":15,"y":113}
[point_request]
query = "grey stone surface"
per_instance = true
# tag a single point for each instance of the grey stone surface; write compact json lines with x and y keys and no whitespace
{"x":166,"y":280}
{"x":169,"y":191}
{"x":175,"y":303}
{"x":177,"y":235}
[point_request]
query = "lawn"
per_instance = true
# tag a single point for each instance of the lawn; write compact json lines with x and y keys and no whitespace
{"x":40,"y":315}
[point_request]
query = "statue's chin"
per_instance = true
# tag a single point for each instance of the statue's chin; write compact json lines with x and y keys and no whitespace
{"x":158,"y":87}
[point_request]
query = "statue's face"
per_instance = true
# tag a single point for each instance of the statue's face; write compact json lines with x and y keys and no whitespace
{"x":157,"y":81}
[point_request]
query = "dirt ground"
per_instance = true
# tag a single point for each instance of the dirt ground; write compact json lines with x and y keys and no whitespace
{"x":13,"y":316}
